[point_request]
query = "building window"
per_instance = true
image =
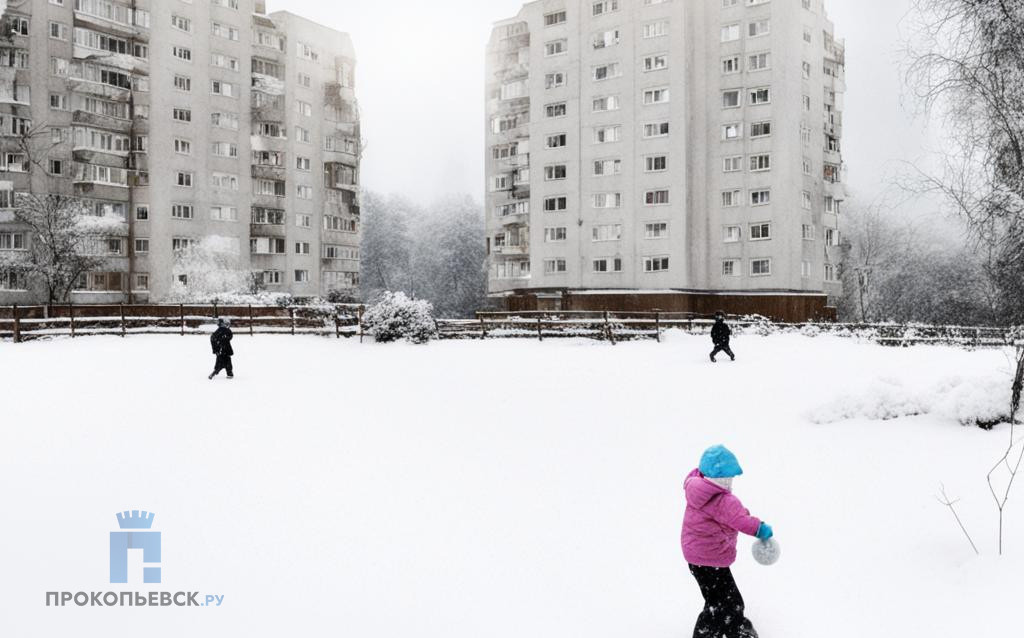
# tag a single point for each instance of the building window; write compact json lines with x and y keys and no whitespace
{"x":182,"y":115}
{"x":807,"y":232}
{"x":608,"y":265}
{"x":656,"y":230}
{"x":225,"y":31}
{"x":732,"y":131}
{"x":182,"y":53}
{"x":605,"y":6}
{"x":805,"y":198}
{"x":760,"y":96}
{"x":731,"y":234}
{"x":730,"y":33}
{"x":656,"y":96}
{"x":182,"y":211}
{"x":140,"y":282}
{"x":557,"y":140}
{"x":759,"y":61}
{"x":182,"y":83}
{"x":731,"y":65}
{"x":730,"y":199}
{"x":760,"y":232}
{"x":656,"y":197}
{"x":655,"y":62}
{"x":56,"y":167}
{"x":760,"y":267}
{"x":223,"y":214}
{"x":607,"y":71}
{"x":181,"y":23}
{"x":831,"y":237}
{"x":141,"y":246}
{"x":655,"y":264}
{"x":607,"y":167}
{"x":760,"y":129}
{"x":554,"y":234}
{"x":607,"y":200}
{"x":301,"y":276}
{"x":760,"y":197}
{"x":184,"y":179}
{"x":555,"y":204}
{"x":606,"y":103}
{"x":302,"y":248}
{"x":226,"y":89}
{"x":606,"y":39}
{"x":554,"y":266}
{"x":606,"y":232}
{"x":558,"y":17}
{"x":760,"y":163}
{"x":730,"y":268}
{"x":732,"y":164}
{"x":555,"y":47}
{"x":554,"y":172}
{"x":182,"y":147}
{"x":558,"y":109}
{"x":654,"y":29}
{"x":830,"y":273}
{"x":759,"y":28}
{"x":554,"y":80}
{"x":59,"y":31}
{"x":142,"y":213}
{"x":731,"y":99}
{"x":655,"y":163}
{"x":607,"y":134}
{"x":303,"y":220}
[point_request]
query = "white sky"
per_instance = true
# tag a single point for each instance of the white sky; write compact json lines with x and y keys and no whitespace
{"x":421,"y":75}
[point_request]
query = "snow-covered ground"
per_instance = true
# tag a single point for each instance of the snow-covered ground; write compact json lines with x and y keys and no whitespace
{"x":500,"y":488}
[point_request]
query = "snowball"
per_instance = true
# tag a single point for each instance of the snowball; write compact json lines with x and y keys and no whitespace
{"x":766,"y":552}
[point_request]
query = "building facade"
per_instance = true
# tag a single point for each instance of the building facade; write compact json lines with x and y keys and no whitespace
{"x":681,"y":152}
{"x":225,"y":142}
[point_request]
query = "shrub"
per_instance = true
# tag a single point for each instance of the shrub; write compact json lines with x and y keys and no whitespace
{"x":395,"y":317}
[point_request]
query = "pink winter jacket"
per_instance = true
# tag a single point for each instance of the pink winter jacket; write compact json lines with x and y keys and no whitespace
{"x":713,"y":518}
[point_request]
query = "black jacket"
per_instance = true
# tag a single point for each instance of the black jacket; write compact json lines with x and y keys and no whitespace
{"x":720,"y":333}
{"x":221,"y":342}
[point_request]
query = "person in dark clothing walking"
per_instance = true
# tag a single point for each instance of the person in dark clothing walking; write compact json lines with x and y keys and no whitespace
{"x":220,"y":341}
{"x":720,"y":334}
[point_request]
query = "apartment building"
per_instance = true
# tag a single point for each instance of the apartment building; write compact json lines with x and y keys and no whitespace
{"x":223,"y":138}
{"x":680,"y":155}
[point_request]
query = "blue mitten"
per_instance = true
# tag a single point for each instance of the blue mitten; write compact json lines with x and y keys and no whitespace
{"x":764,"y":531}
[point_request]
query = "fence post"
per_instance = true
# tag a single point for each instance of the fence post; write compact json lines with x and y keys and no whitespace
{"x":291,"y":311}
{"x":540,"y":335}
{"x":71,"y":315}
{"x":215,"y":314}
{"x":181,"y":312}
{"x":483,"y":327}
{"x":359,"y":317}
{"x":608,"y":329}
{"x":657,"y":325}
{"x":337,"y":324}
{"x":17,"y":323}
{"x":122,"y":321}
{"x":250,"y":321}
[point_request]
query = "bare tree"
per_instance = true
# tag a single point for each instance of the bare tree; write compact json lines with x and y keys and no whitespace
{"x":63,"y":241}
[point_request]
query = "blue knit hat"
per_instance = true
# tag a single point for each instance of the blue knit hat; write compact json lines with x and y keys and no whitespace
{"x":718,"y":462}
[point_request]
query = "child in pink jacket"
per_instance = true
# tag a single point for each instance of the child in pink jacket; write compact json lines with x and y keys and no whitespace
{"x":714,"y":517}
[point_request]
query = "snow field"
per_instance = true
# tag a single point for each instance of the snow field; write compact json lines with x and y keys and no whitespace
{"x":497,"y":488}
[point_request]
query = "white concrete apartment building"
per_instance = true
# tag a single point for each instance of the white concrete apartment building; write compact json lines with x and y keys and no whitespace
{"x":672,"y":154}
{"x":202,"y":122}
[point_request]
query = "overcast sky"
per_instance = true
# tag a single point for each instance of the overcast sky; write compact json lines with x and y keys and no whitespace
{"x":420,"y":88}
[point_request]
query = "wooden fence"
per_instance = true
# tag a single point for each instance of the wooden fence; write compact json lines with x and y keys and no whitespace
{"x":22,"y":323}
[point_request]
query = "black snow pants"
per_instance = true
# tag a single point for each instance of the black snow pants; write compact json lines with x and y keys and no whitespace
{"x":723,"y":605}
{"x":223,"y":363}
{"x":722,"y":347}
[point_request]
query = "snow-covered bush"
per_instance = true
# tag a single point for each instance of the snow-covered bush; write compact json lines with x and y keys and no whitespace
{"x":810,"y":330}
{"x":396,"y":316}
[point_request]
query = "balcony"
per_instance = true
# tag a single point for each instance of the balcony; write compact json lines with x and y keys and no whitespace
{"x":99,"y":157}
{"x":101,"y":121}
{"x":511,"y":251}
{"x":97,"y":23}
{"x":262,"y":171}
{"x":267,"y":230}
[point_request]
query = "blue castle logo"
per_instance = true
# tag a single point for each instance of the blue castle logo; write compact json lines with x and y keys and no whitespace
{"x":135,"y":538}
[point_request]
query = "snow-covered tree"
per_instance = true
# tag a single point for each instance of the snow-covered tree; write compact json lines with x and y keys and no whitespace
{"x":395,"y":316}
{"x":210,"y":269}
{"x":61,"y":242}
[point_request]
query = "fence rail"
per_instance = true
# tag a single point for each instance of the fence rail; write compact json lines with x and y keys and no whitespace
{"x":23,"y":323}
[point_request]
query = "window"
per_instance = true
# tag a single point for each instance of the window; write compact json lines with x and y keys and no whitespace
{"x":730,"y":268}
{"x":655,"y":163}
{"x":555,"y":172}
{"x":558,"y":109}
{"x":605,"y":6}
{"x":303,"y":135}
{"x":759,"y":163}
{"x":230,"y":121}
{"x":224,"y":149}
{"x":830,"y":273}
{"x":555,"y":204}
{"x":555,"y":47}
{"x":731,"y":65}
{"x":831,"y":205}
{"x":266,"y":216}
{"x":654,"y":29}
{"x":58,"y":102}
{"x":301,"y":276}
{"x":59,"y":66}
{"x":56,"y":167}
{"x":656,"y":129}
{"x":760,"y":129}
{"x":304,"y":192}
{"x":182,"y":147}
{"x":303,"y":164}
{"x":730,"y":199}
{"x":606,"y":103}
{"x":184,"y":179}
{"x":831,"y":237}
{"x":222,"y":61}
{"x":182,"y":53}
{"x":655,"y":62}
{"x":12,"y":241}
{"x":607,"y":134}
{"x":223,"y":214}
{"x":182,"y":211}
{"x":142,"y":213}
{"x":731,"y":234}
{"x":656,"y":197}
{"x":760,"y":232}
{"x":731,"y":99}
{"x":730,"y":33}
{"x":551,"y":19}
{"x":606,"y":39}
{"x":182,"y":24}
{"x":805,"y":269}
{"x":760,"y":96}
{"x":140,"y":282}
{"x":59,"y":31}
{"x":655,"y":264}
{"x":224,"y":181}
{"x":807,"y":232}
{"x":554,"y":234}
{"x":225,"y":31}
{"x":760,"y":197}
{"x":807,"y":70}
{"x":303,"y":221}
{"x":607,"y":71}
{"x":554,"y":80}
{"x":607,"y":265}
{"x":806,"y":101}
{"x":808,"y":36}
{"x":554,"y":266}
{"x":760,"y":267}
{"x":305,"y":80}
{"x":267,"y":246}
{"x":607,"y":167}
{"x":805,"y":197}
{"x":218,"y":87}
{"x":607,"y":200}
{"x":759,"y":28}
{"x":656,"y":230}
{"x":182,"y":83}
{"x":304,"y":108}
{"x":556,"y":141}
{"x":732,"y":164}
{"x":656,"y":96}
{"x":306,"y":52}
{"x":141,"y":246}
{"x":182,"y":115}
{"x":606,"y":232}
{"x":759,"y":61}
{"x":302,"y":248}
{"x":732,"y":131}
